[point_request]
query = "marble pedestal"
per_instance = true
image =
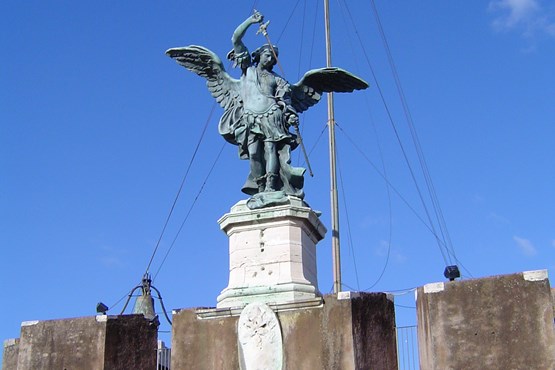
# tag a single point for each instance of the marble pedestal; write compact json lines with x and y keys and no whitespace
{"x":272,"y":254}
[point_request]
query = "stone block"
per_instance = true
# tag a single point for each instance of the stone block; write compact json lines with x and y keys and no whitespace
{"x":100,"y":342}
{"x":500,"y":322}
{"x":326,"y":334}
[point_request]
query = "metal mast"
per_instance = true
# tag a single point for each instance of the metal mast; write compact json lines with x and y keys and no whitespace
{"x":333,"y":175}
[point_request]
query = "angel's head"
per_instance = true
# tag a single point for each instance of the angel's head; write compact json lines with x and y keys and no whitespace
{"x":265,"y":56}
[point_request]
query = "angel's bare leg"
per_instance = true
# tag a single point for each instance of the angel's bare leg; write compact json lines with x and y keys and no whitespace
{"x":272,"y":165}
{"x":256,"y":157}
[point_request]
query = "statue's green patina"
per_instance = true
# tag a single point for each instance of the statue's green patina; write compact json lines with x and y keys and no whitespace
{"x":260,"y":107}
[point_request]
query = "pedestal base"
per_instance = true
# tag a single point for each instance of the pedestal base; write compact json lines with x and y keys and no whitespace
{"x":237,"y":297}
{"x":346,"y":334}
{"x":272,"y":254}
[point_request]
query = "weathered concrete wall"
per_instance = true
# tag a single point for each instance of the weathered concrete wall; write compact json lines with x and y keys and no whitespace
{"x":356,"y":333}
{"x":9,"y":356}
{"x":319,"y":338}
{"x":204,"y":344}
{"x":101,"y":342}
{"x":501,"y":322}
{"x":374,"y":332}
{"x":131,"y":343}
{"x":62,"y":344}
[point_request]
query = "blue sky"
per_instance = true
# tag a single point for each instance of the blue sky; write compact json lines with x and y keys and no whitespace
{"x":98,"y":127}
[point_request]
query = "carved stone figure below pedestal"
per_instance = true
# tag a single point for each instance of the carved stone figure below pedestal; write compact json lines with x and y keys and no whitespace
{"x":260,"y":342}
{"x":272,"y":253}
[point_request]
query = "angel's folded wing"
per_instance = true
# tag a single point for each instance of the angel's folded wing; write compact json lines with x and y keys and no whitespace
{"x":208,"y":65}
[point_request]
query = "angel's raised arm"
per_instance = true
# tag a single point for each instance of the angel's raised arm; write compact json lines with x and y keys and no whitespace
{"x":240,"y":54}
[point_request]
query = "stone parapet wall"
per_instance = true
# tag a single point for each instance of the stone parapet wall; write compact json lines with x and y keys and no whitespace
{"x":9,"y":356}
{"x":353,"y":333}
{"x":98,"y":342}
{"x":500,"y":322}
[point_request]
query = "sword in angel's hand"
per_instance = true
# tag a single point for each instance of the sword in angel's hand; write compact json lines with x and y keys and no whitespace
{"x":263,"y":29}
{"x":301,"y":143}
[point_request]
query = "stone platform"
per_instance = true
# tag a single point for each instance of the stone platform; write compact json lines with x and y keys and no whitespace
{"x":272,"y":254}
{"x":324,"y":333}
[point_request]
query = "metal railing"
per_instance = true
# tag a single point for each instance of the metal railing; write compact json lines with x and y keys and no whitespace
{"x":407,"y":348}
{"x":163,"y":357}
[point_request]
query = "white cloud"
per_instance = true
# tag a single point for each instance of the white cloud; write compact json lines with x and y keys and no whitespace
{"x":111,"y":262}
{"x":478,"y":198}
{"x":498,"y":219}
{"x":368,"y":222}
{"x":384,"y":248}
{"x":514,"y":11}
{"x":527,"y":16}
{"x":525,"y":246}
{"x":111,"y":257}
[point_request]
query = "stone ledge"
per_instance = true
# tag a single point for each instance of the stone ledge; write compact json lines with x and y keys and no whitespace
{"x":241,"y":214}
{"x":214,"y":313}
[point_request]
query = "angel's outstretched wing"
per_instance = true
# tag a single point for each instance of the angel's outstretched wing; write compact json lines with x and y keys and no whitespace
{"x":308,"y":91}
{"x":208,"y":65}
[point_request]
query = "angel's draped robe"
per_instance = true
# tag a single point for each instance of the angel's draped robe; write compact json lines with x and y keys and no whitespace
{"x":242,"y":127}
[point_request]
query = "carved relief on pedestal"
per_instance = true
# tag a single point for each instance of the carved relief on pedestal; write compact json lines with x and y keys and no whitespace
{"x":259,"y":338}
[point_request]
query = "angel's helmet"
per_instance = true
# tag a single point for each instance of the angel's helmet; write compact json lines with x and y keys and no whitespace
{"x":263,"y":48}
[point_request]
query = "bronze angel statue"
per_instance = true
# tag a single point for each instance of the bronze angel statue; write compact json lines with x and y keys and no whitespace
{"x":260,"y":108}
